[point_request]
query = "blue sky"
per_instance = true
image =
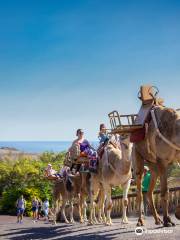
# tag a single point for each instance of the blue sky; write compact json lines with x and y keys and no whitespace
{"x":66,"y":64}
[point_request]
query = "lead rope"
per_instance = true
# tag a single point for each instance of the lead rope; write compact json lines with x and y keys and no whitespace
{"x":160,"y":134}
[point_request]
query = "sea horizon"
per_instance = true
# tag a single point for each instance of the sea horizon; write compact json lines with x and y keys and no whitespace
{"x":39,"y":146}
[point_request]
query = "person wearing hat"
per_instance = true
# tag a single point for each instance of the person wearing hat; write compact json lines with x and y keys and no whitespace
{"x":145,"y":188}
{"x":50,"y":173}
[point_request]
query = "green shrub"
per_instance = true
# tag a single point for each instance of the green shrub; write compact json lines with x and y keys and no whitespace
{"x":25,"y":176}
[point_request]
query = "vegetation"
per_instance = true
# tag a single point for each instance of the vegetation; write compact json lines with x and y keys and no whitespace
{"x":25,"y":176}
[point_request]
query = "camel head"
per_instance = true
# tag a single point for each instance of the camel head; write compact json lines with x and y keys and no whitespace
{"x":122,"y":142}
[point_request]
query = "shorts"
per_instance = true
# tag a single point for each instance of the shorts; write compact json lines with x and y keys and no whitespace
{"x":34,"y":209}
{"x":20,"y":211}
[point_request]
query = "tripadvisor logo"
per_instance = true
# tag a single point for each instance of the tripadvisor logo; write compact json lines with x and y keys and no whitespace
{"x":139,"y":231}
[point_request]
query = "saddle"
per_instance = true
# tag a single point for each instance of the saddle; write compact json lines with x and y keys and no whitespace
{"x":136,"y":124}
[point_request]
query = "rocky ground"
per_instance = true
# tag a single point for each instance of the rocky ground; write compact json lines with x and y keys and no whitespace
{"x":9,"y":229}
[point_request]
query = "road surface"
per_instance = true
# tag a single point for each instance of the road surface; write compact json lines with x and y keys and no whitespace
{"x":28,"y":230}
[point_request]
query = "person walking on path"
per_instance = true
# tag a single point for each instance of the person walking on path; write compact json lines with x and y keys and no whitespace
{"x":35,"y":205}
{"x":20,"y":205}
{"x":145,"y":188}
{"x":46,"y":209}
{"x":39,"y":209}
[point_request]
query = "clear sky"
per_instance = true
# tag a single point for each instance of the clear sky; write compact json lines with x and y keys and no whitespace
{"x":65,"y":64}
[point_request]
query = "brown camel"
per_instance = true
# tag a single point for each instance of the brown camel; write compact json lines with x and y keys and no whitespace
{"x":75,"y":187}
{"x":160,"y":148}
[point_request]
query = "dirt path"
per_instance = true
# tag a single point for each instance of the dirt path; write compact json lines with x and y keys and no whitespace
{"x":9,"y":229}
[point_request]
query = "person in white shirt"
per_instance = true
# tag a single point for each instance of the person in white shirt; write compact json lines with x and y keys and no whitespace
{"x":51,"y":173}
{"x":45,"y":208}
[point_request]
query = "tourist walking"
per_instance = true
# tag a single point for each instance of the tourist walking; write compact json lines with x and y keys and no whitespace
{"x":46,"y":209}
{"x":35,"y":205}
{"x":39,"y":209}
{"x":21,"y":205}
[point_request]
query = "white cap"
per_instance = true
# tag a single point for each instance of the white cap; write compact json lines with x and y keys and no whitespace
{"x":146,"y":168}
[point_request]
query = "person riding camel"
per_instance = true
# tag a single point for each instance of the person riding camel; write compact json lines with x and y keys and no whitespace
{"x":103,"y":137}
{"x":52,"y":174}
{"x":64,"y":171}
{"x":86,"y":150}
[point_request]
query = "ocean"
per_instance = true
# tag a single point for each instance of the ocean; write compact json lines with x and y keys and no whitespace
{"x":39,"y":146}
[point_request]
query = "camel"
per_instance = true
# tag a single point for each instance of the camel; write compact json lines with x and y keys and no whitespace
{"x":75,"y":187}
{"x":160,"y":148}
{"x":114,"y":169}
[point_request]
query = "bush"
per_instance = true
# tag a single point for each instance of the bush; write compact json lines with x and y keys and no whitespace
{"x":25,"y":176}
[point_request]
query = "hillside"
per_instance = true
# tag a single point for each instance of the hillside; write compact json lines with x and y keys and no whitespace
{"x":13,"y":153}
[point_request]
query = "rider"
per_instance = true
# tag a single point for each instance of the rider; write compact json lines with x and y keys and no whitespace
{"x":51,"y":173}
{"x":103,"y":137}
{"x":86,"y":150}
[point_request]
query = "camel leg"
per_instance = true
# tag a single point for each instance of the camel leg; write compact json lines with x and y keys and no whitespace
{"x":54,"y":212}
{"x":63,"y":211}
{"x":139,"y":174}
{"x":85,"y":211}
{"x":101,"y":213}
{"x":92,"y":210}
{"x":108,"y":206}
{"x":154,"y":176}
{"x":82,"y":208}
{"x":164,"y":198}
{"x":71,"y":211}
{"x":92,"y":217}
{"x":125,"y":187}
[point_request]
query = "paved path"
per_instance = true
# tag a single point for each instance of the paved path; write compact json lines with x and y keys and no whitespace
{"x":9,"y":229}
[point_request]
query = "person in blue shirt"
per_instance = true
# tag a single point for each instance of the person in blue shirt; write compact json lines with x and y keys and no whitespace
{"x":103,"y":137}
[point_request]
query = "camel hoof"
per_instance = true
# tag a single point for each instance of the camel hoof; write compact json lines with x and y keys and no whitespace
{"x":168,"y":222}
{"x":90,"y":223}
{"x":125,"y":221}
{"x":67,"y":221}
{"x":100,"y":220}
{"x":158,"y":221}
{"x":140,"y":223}
{"x":108,"y":224}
